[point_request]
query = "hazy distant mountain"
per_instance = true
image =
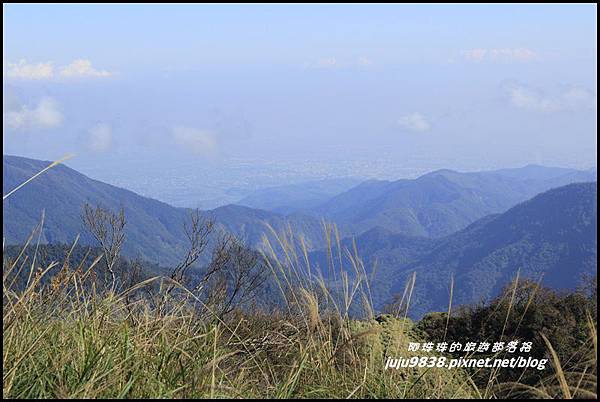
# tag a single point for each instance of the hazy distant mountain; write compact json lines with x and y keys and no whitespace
{"x":251,"y":224}
{"x":536,"y":172}
{"x":441,"y":202}
{"x":154,"y":229}
{"x":541,"y":178}
{"x":554,"y":234}
{"x":297,"y":197}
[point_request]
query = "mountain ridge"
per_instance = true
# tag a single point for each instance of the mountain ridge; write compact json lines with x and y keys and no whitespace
{"x":440,"y":202}
{"x":554,"y":234}
{"x":154,"y":230}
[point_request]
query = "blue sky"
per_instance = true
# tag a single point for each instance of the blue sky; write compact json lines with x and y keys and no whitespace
{"x":463,"y":86}
{"x":128,"y":37}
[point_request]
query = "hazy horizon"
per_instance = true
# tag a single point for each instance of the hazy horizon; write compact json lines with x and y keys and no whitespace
{"x":222,"y":99}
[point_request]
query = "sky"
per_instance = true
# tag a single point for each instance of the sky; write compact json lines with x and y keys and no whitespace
{"x":379,"y":88}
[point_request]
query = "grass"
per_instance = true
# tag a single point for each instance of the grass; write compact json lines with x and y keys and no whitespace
{"x":72,"y":338}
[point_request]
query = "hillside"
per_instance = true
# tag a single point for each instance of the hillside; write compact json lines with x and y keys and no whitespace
{"x":441,"y":202}
{"x":154,"y":229}
{"x":554,"y":234}
{"x":403,"y":223}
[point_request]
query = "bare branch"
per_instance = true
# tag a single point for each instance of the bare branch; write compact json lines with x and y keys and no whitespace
{"x":108,"y":228}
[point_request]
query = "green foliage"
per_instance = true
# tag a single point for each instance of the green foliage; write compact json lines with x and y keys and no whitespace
{"x":523,"y":311}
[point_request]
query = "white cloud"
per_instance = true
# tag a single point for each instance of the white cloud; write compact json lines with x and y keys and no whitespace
{"x":28,"y":71}
{"x":327,"y":62}
{"x":82,"y":68}
{"x":79,"y":68}
{"x":364,"y":61}
{"x":530,"y":99}
{"x":46,"y":114}
{"x":414,"y":122}
{"x":577,"y":98}
{"x":569,"y":99}
{"x":500,"y":55}
{"x":335,"y":63}
{"x":100,"y":137}
{"x":200,"y":142}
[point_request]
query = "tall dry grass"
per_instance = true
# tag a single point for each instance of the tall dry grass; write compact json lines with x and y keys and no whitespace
{"x":70,"y":337}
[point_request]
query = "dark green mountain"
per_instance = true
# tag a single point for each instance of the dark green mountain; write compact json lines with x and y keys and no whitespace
{"x":154,"y":229}
{"x":554,"y":235}
{"x":441,"y":202}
